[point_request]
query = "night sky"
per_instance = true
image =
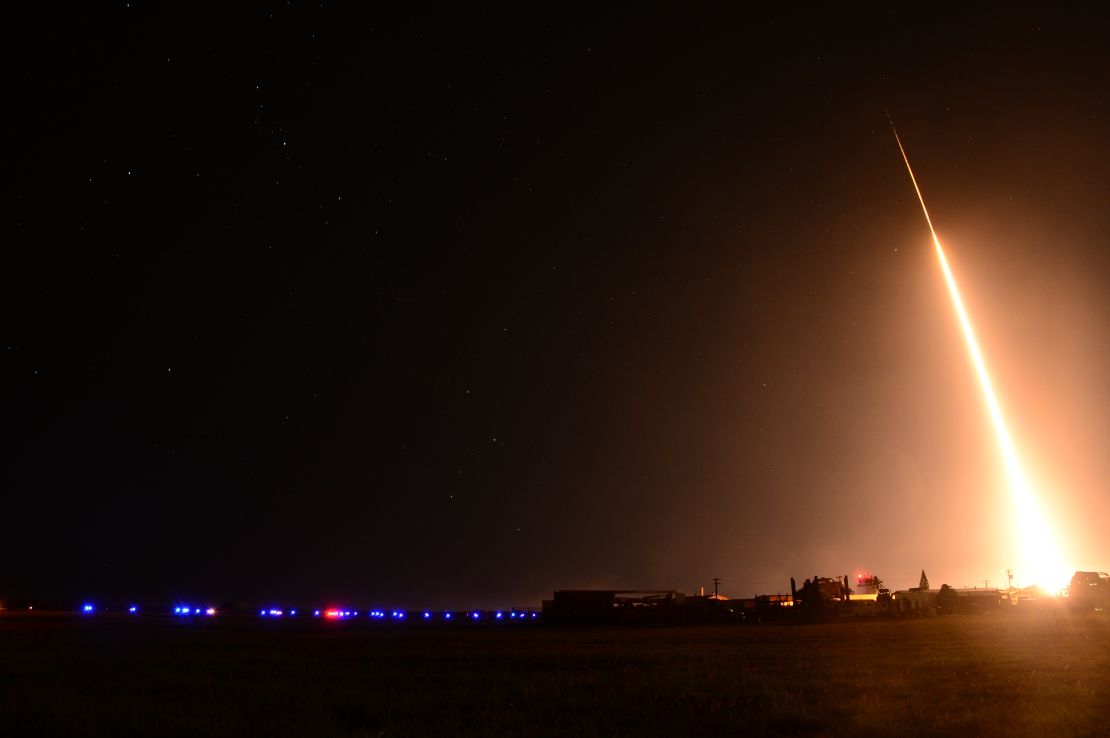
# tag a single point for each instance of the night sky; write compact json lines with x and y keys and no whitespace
{"x":458,"y":309}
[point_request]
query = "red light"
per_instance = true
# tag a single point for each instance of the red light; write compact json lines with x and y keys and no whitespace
{"x":333,"y":614}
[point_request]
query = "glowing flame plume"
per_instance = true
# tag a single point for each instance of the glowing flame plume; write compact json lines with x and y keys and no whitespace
{"x":1040,"y":561}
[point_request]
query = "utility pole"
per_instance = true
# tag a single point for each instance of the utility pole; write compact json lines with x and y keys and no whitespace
{"x":1009,"y":579}
{"x":716,"y":581}
{"x":986,"y":584}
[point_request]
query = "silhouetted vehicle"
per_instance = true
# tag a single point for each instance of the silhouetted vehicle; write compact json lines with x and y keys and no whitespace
{"x":1089,"y":590}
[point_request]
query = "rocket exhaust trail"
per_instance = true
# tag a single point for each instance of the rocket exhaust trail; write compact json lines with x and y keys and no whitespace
{"x":1039,"y":554}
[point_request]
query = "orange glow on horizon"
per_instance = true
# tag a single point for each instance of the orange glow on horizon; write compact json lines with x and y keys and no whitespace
{"x":1040,"y":560}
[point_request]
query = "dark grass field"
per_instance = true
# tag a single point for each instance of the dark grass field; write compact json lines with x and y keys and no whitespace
{"x":1041,"y":672}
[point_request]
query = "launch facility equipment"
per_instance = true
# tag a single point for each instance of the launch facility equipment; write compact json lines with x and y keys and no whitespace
{"x":599,"y":606}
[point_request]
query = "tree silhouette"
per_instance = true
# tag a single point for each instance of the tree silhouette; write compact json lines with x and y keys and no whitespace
{"x":947,"y":600}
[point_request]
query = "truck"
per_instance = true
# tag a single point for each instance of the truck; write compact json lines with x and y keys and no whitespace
{"x":1089,"y":590}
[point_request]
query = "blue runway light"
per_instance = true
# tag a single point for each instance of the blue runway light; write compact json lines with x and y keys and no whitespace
{"x":474,"y":615}
{"x":262,"y":613}
{"x":427,"y":615}
{"x":292,"y":612}
{"x":512,"y":615}
{"x":87,"y":608}
{"x":498,"y":616}
{"x":316,"y":613}
{"x":447,"y":616}
{"x":132,"y":609}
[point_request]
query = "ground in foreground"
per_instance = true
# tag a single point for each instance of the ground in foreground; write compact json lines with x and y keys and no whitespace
{"x":1045,"y":672}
